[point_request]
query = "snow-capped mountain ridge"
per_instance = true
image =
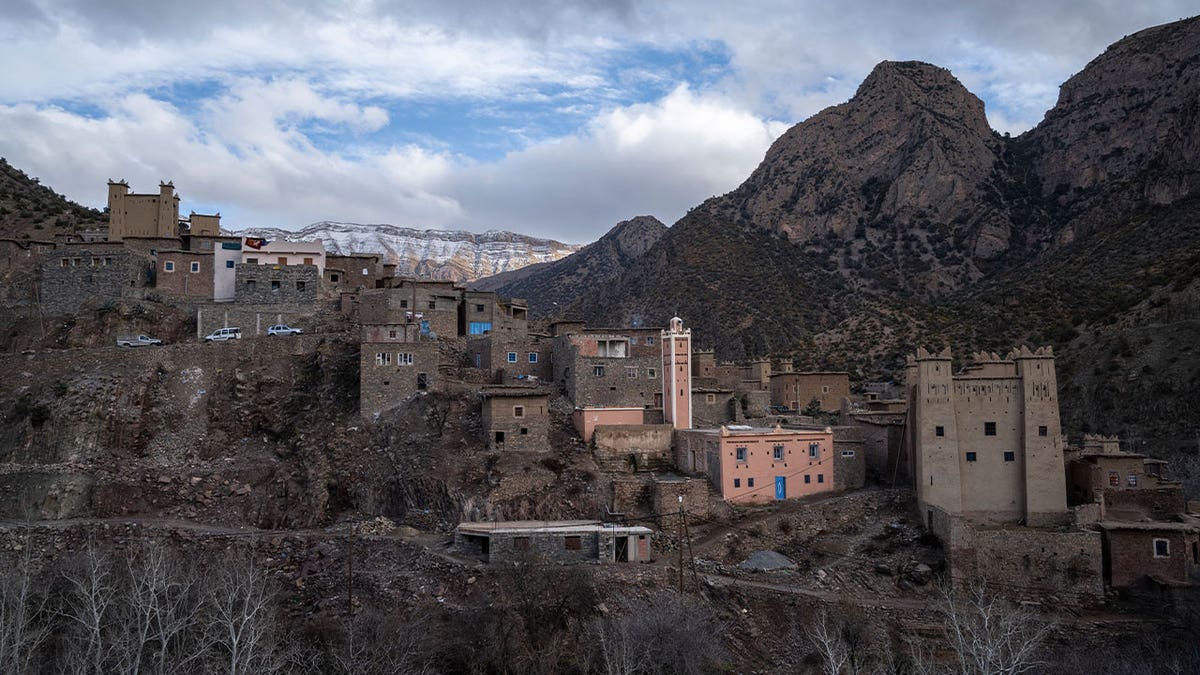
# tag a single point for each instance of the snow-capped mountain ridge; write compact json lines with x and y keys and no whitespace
{"x":436,"y":254}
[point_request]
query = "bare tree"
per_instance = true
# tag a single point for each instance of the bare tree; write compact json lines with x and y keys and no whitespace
{"x":375,"y":645}
{"x":87,"y":607}
{"x":989,"y":635}
{"x":159,"y":616}
{"x":666,"y":633}
{"x":844,"y":643}
{"x":25,"y":616}
{"x":241,"y":608}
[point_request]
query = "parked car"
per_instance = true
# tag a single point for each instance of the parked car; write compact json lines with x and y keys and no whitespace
{"x":223,"y":334}
{"x":282,"y":329}
{"x":137,"y":341}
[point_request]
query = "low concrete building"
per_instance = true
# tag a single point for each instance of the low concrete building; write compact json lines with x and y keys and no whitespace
{"x":564,"y":541}
{"x":515,"y":418}
{"x":752,"y":465}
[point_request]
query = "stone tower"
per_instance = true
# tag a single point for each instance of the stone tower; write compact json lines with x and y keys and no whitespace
{"x":934,"y":430}
{"x":677,"y":375}
{"x":1046,"y":491}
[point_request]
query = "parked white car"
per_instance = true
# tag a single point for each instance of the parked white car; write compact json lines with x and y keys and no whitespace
{"x":282,"y":329}
{"x":223,"y":334}
{"x":137,"y":341}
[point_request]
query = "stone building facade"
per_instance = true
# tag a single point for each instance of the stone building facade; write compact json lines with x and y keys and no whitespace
{"x":634,"y":447}
{"x":1162,"y":553}
{"x":715,"y":406}
{"x":89,"y":275}
{"x":257,"y":284}
{"x":565,"y":541}
{"x":613,"y":368}
{"x":750,"y":466}
{"x":986,"y":442}
{"x":515,"y":418}
{"x":795,"y":391}
{"x":392,"y":370}
{"x":512,"y":356}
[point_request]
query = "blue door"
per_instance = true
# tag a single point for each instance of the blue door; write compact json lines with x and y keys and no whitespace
{"x":780,"y":487}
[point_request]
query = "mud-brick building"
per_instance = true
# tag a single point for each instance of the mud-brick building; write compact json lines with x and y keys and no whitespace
{"x":1145,"y":555}
{"x":1125,"y":485}
{"x":986,"y":442}
{"x":395,"y":362}
{"x":753,"y":465}
{"x":185,"y":274}
{"x":515,"y":418}
{"x":795,"y":390}
{"x":564,"y":541}
{"x":512,"y":356}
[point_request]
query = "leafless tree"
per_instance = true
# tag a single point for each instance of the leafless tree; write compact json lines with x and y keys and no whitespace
{"x":240,"y":611}
{"x":619,"y":651}
{"x":989,"y":635}
{"x":665,"y":633}
{"x":375,"y":645}
{"x":25,"y":616}
{"x":159,"y":616}
{"x":87,"y":609}
{"x":844,"y":644}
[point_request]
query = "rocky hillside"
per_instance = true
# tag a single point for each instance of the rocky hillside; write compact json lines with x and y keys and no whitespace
{"x":30,"y":210}
{"x":899,"y":218}
{"x":432,"y":254}
{"x":558,"y":284}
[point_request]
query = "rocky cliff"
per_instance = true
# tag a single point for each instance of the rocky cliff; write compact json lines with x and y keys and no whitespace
{"x":558,"y":284}
{"x":433,"y":254}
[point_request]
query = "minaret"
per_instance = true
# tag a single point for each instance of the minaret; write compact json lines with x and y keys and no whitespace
{"x":677,"y":375}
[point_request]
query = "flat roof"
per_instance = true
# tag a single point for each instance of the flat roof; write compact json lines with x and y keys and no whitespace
{"x":548,"y":527}
{"x":512,"y":391}
{"x":1149,"y":526}
{"x":756,"y":431}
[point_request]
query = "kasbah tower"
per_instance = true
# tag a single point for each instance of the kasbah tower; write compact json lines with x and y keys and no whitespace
{"x":677,"y":375}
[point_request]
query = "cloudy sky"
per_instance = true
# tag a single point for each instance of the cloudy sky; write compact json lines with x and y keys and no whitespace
{"x":554,"y":119}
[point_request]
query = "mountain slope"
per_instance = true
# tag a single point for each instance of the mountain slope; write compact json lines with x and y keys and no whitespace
{"x":433,"y":254}
{"x":558,"y":284}
{"x":899,"y":219}
{"x":30,"y":210}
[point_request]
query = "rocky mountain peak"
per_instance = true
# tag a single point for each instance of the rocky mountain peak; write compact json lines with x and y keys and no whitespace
{"x":909,"y":86}
{"x":635,"y":236}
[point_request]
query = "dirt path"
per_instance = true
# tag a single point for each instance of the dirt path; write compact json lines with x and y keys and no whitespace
{"x":824,"y":596}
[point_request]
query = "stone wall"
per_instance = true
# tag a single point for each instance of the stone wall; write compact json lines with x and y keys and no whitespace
{"x":632,"y":496}
{"x":388,"y":376}
{"x":1131,"y":558}
{"x":252,"y":320}
{"x":1050,"y":566}
{"x":711,"y":409}
{"x":491,"y":354}
{"x":615,"y":382}
{"x":666,"y":493}
{"x":633,"y":447}
{"x":276,"y":284}
{"x":180,"y":280}
{"x":1144,"y":502}
{"x":72,"y":279}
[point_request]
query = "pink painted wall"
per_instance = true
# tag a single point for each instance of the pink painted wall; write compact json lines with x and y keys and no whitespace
{"x":803,"y":475}
{"x":587,"y":419}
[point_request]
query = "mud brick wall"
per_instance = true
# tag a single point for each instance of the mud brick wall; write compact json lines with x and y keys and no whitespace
{"x":849,"y":458}
{"x":530,"y":432}
{"x":634,"y":447}
{"x":1131,"y":558}
{"x":276,"y":284}
{"x":1147,"y":501}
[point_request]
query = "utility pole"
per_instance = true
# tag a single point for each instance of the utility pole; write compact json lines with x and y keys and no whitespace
{"x":350,"y":573}
{"x":681,"y":544}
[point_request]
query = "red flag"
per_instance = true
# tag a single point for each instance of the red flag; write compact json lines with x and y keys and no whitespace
{"x":256,"y":243}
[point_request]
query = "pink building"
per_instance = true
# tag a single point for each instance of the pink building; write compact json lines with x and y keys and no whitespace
{"x":587,"y":419}
{"x":752,"y":465}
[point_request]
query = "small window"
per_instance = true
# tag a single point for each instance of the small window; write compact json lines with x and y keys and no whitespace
{"x":64,"y":262}
{"x":403,"y":304}
{"x":275,"y":285}
{"x":195,"y":267}
{"x":807,"y":479}
{"x":1162,"y":548}
{"x":108,"y":261}
{"x":1043,"y":431}
{"x":847,"y":453}
{"x":251,"y":261}
{"x":573,"y":543}
{"x":334,"y":278}
{"x":521,"y":543}
{"x":971,"y":457}
{"x":383,"y":358}
{"x":282,"y":260}
{"x":308,"y":261}
{"x":512,"y":357}
{"x":939,"y":431}
{"x":229,"y":266}
{"x":651,"y":374}
{"x":299,"y":285}
{"x":404,"y":358}
{"x":524,"y":431}
{"x":737,"y":482}
{"x":1132,"y":479}
{"x":168,"y":266}
{"x":478,"y":308}
{"x":814,"y":450}
{"x":749,"y":482}
{"x":825,"y":390}
{"x":631,"y":372}
{"x":710,"y":398}
{"x":598,"y":371}
{"x":1010,"y":456}
{"x":633,"y":340}
{"x":989,"y":428}
{"x":1114,"y":479}
{"x":433,"y":304}
{"x":518,"y":411}
{"x":777,"y":453}
{"x":533,"y":357}
{"x":820,"y":478}
{"x":251,"y":285}
{"x":392,"y":334}
{"x":741,"y":454}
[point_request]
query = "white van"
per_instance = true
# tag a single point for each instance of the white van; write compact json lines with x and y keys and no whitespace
{"x":223,"y":334}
